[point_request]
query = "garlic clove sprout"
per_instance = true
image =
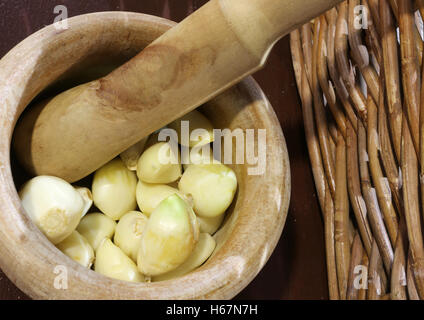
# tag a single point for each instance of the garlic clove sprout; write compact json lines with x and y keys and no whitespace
{"x":77,"y":248}
{"x":169,"y":237}
{"x":212,"y":187}
{"x":150,"y":195}
{"x":196,"y":121}
{"x":114,"y":189}
{"x":128,"y":233}
{"x":54,"y":205}
{"x":112,"y":262}
{"x":203,"y":250}
{"x":159,"y":164}
{"x":210,"y":225}
{"x":132,"y":154}
{"x":95,"y":227}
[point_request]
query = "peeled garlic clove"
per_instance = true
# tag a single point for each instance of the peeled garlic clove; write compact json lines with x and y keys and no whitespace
{"x":95,"y":227}
{"x":212,"y":187}
{"x":159,"y":164}
{"x":87,"y":197}
{"x":197,"y":121}
{"x":132,"y":154}
{"x":169,"y":237}
{"x":77,"y":248}
{"x":203,"y":250}
{"x":150,"y":195}
{"x":210,"y":225}
{"x":114,"y":189}
{"x":53,"y":205}
{"x":128,"y":233}
{"x":197,"y":155}
{"x":113,"y":263}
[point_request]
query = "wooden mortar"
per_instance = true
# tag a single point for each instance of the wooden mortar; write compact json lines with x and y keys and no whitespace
{"x":254,"y":222}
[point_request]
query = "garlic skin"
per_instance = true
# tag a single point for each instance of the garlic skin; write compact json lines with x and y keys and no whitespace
{"x":210,"y":225}
{"x":77,"y":248}
{"x":114,"y":189}
{"x":212,"y":187}
{"x":150,"y":195}
{"x":168,"y":238}
{"x":112,"y":262}
{"x":95,"y":227}
{"x":159,"y":164}
{"x":203,"y":250}
{"x":128,"y":233}
{"x":54,"y":205}
{"x":196,"y":121}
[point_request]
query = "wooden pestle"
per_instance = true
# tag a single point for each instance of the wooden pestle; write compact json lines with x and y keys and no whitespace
{"x":79,"y":130}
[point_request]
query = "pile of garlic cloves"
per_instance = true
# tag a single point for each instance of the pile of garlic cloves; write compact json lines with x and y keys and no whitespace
{"x":142,"y":220}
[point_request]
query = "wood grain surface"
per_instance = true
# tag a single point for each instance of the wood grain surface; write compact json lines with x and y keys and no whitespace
{"x":296,"y":270}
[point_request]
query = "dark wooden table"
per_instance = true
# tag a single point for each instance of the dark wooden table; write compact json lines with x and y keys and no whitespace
{"x":296,"y":270}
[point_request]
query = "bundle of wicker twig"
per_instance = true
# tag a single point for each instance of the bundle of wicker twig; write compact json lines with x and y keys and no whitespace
{"x":360,"y":76}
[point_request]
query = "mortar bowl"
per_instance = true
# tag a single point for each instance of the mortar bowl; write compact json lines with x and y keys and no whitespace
{"x":54,"y":59}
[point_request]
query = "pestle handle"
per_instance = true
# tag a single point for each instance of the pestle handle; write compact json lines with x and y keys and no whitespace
{"x":76,"y":132}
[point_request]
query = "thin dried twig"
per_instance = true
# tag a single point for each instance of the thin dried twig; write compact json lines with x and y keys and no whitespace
{"x":373,"y":6}
{"x":377,"y":285}
{"x":398,"y":277}
{"x":373,"y":35}
{"x":320,"y":116}
{"x":375,"y":217}
{"x":410,"y":68}
{"x":421,"y":153}
{"x":345,"y":68}
{"x":417,"y":37}
{"x":332,"y":130}
{"x":342,"y":243}
{"x":362,"y":293}
{"x":333,"y":138}
{"x":360,"y":53}
{"x":412,"y":208}
{"x":306,"y":36}
{"x":373,"y":210}
{"x":322,"y":72}
{"x":390,"y":165}
{"x":354,"y":186}
{"x":341,"y":90}
{"x":380,"y":182}
{"x":391,"y":72}
{"x":412,"y":289}
{"x":356,"y":260}
{"x":329,"y":247}
{"x":308,"y":116}
{"x":395,"y":8}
